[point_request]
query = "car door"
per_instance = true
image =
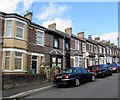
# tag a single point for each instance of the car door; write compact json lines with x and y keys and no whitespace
{"x":85,"y":76}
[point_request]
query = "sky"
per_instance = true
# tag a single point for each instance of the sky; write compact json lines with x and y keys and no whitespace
{"x":98,"y":19}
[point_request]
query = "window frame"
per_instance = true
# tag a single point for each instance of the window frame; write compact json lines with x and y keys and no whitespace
{"x":76,"y":47}
{"x":7,"y":28}
{"x":21,"y":61}
{"x":20,"y":28}
{"x":76,"y":57}
{"x":5,"y":60}
{"x":56,"y":38}
{"x":40,"y":37}
{"x":67,"y":42}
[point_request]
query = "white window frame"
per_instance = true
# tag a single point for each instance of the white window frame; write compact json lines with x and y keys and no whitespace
{"x":80,"y":61}
{"x":95,"y":49}
{"x":75,"y":61}
{"x":7,"y":28}
{"x":56,"y":40}
{"x":19,"y":28}
{"x":84,"y":47}
{"x":21,"y":61}
{"x":40,"y":36}
{"x":5,"y":59}
{"x":76,"y":46}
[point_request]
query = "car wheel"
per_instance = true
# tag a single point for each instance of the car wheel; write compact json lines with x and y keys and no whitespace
{"x":77,"y":82}
{"x":93,"y":79}
{"x":58,"y":85}
{"x":103,"y":75}
{"x":110,"y":73}
{"x":117,"y":71}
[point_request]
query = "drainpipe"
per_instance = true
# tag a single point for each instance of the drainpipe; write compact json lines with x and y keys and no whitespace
{"x":63,"y":52}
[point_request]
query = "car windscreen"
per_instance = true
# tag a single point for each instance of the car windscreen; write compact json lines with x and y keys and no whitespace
{"x":112,"y":65}
{"x":103,"y":66}
{"x":67,"y":70}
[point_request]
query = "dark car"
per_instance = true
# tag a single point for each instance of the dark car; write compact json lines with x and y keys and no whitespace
{"x":118,"y":65}
{"x":100,"y":70}
{"x":75,"y":75}
{"x":105,"y":71}
{"x":114,"y":67}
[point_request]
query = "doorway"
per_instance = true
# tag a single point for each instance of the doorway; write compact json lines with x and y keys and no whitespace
{"x":34,"y":64}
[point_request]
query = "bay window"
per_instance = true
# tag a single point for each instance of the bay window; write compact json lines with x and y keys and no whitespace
{"x":9,"y":28}
{"x":7,"y":60}
{"x":76,"y":61}
{"x":19,"y":30}
{"x":18,"y":61}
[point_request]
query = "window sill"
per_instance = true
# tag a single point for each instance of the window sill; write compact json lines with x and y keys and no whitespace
{"x":56,"y":47}
{"x":40,"y":45}
{"x":14,"y":71}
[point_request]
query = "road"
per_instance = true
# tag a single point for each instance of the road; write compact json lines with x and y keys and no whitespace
{"x":101,"y":88}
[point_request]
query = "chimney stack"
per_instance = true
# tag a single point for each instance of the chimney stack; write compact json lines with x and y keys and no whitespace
{"x":28,"y":16}
{"x":108,"y":42}
{"x":112,"y":44}
{"x":89,"y":37}
{"x":80,"y":35}
{"x":52,"y":26}
{"x":97,"y":39}
{"x":68,"y":31}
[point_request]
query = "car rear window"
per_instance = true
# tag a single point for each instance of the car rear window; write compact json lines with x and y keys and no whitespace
{"x":67,"y":71}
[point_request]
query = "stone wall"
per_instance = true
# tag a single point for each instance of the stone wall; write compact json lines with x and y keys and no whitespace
{"x":18,"y":80}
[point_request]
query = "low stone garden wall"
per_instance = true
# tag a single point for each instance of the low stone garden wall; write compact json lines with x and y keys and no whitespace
{"x":17,"y":80}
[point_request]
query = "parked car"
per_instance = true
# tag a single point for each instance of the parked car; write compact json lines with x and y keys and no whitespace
{"x":118,"y":67}
{"x":75,"y":75}
{"x":93,"y":69}
{"x":100,"y":70}
{"x":114,"y":67}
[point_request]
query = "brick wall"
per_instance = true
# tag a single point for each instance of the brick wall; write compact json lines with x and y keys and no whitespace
{"x":32,"y":39}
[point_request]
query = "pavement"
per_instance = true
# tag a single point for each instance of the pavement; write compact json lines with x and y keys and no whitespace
{"x":25,"y":90}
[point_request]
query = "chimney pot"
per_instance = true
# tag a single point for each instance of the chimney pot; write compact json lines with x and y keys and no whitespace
{"x":68,"y":31}
{"x":97,"y":39}
{"x":80,"y":34}
{"x":28,"y":15}
{"x":89,"y":37}
{"x":52,"y":26}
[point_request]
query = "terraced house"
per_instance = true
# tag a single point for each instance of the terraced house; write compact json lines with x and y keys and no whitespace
{"x":77,"y":49}
{"x":57,"y":47}
{"x":101,"y":51}
{"x":92,"y":51}
{"x":28,"y":46}
{"x":23,"y":44}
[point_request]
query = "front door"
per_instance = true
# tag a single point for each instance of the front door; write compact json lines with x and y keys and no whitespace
{"x":34,"y":64}
{"x":67,"y":57}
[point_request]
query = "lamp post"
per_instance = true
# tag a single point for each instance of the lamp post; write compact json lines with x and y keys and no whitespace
{"x":118,"y":40}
